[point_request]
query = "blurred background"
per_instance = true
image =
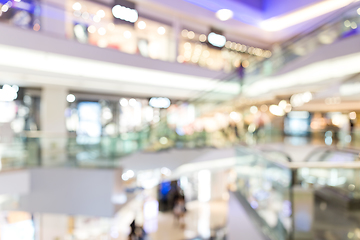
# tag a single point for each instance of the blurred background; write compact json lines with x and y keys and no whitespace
{"x":179,"y":120}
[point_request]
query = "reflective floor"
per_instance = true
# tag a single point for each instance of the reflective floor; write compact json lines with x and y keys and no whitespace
{"x":200,"y":221}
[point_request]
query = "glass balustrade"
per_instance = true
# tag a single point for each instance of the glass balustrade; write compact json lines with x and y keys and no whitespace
{"x":314,"y":199}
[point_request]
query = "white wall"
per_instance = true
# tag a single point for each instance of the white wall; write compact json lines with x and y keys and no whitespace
{"x":70,"y":191}
{"x":15,"y":182}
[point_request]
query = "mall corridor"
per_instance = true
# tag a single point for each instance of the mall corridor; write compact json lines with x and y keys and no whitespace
{"x":179,"y":120}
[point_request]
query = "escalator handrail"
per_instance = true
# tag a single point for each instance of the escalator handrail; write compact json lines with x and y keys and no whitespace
{"x":330,"y":149}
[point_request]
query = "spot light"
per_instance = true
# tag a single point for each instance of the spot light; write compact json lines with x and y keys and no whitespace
{"x":352,"y":115}
{"x":124,"y":13}
{"x":102,"y":31}
{"x":5,"y":8}
{"x":224,"y":14}
{"x":141,"y":25}
{"x":70,"y":98}
{"x":101,"y":13}
{"x":124,"y":102}
{"x":76,"y":6}
{"x":127,"y":34}
{"x":217,"y":40}
{"x":202,"y":38}
{"x":161,"y":30}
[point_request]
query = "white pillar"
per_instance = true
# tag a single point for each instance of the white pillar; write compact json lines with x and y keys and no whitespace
{"x":53,"y":106}
{"x":53,"y":17}
{"x":52,"y":125}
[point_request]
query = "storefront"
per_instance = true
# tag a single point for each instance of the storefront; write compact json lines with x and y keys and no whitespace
{"x":100,"y":25}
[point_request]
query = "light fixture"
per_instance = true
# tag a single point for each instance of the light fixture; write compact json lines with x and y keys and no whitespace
{"x":102,"y":31}
{"x":347,"y":23}
{"x":217,"y":40}
{"x":8,"y":93}
{"x":318,"y":9}
{"x":276,"y":110}
{"x":96,"y":18}
{"x":253,"y":109}
{"x":184,"y":33}
{"x":70,"y":98}
{"x":224,"y":14}
{"x":191,"y":35}
{"x":202,"y":38}
{"x":130,"y":173}
{"x":283,"y":104}
{"x":127,"y":34}
{"x":76,"y":6}
{"x":352,"y":115}
{"x":124,"y":102}
{"x":159,"y":102}
{"x":161,"y":30}
{"x":5,"y":8}
{"x":236,"y":117}
{"x":141,"y":25}
{"x":124,"y":13}
{"x":132,"y":102}
{"x":100,"y":13}
{"x":353,"y":25}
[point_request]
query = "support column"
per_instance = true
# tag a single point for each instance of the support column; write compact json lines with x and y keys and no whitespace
{"x":53,"y":128}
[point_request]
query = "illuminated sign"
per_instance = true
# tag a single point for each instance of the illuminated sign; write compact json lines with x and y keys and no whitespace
{"x":8,"y":93}
{"x":217,"y":40}
{"x":125,"y":10}
{"x":159,"y":102}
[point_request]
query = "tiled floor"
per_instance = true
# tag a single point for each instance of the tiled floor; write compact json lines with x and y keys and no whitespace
{"x":200,"y":220}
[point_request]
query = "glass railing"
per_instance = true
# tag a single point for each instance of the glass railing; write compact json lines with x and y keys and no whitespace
{"x":266,"y":186}
{"x":333,"y":29}
{"x":300,"y":200}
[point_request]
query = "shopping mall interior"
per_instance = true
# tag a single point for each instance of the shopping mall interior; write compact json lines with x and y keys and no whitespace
{"x":179,"y":120}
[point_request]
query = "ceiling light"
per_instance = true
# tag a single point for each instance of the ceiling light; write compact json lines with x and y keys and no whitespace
{"x":124,"y":13}
{"x":202,"y":38}
{"x":159,"y":102}
{"x":224,"y":14}
{"x":101,"y":13}
{"x":161,"y":30}
{"x":91,"y":29}
{"x":191,"y":35}
{"x":127,"y":34}
{"x":217,"y":40}
{"x":96,"y":18}
{"x":302,"y":15}
{"x":124,"y":102}
{"x":76,"y":6}
{"x":276,"y":110}
{"x":102,"y":31}
{"x":253,"y":109}
{"x":141,"y":25}
{"x":70,"y":98}
{"x":5,"y":8}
